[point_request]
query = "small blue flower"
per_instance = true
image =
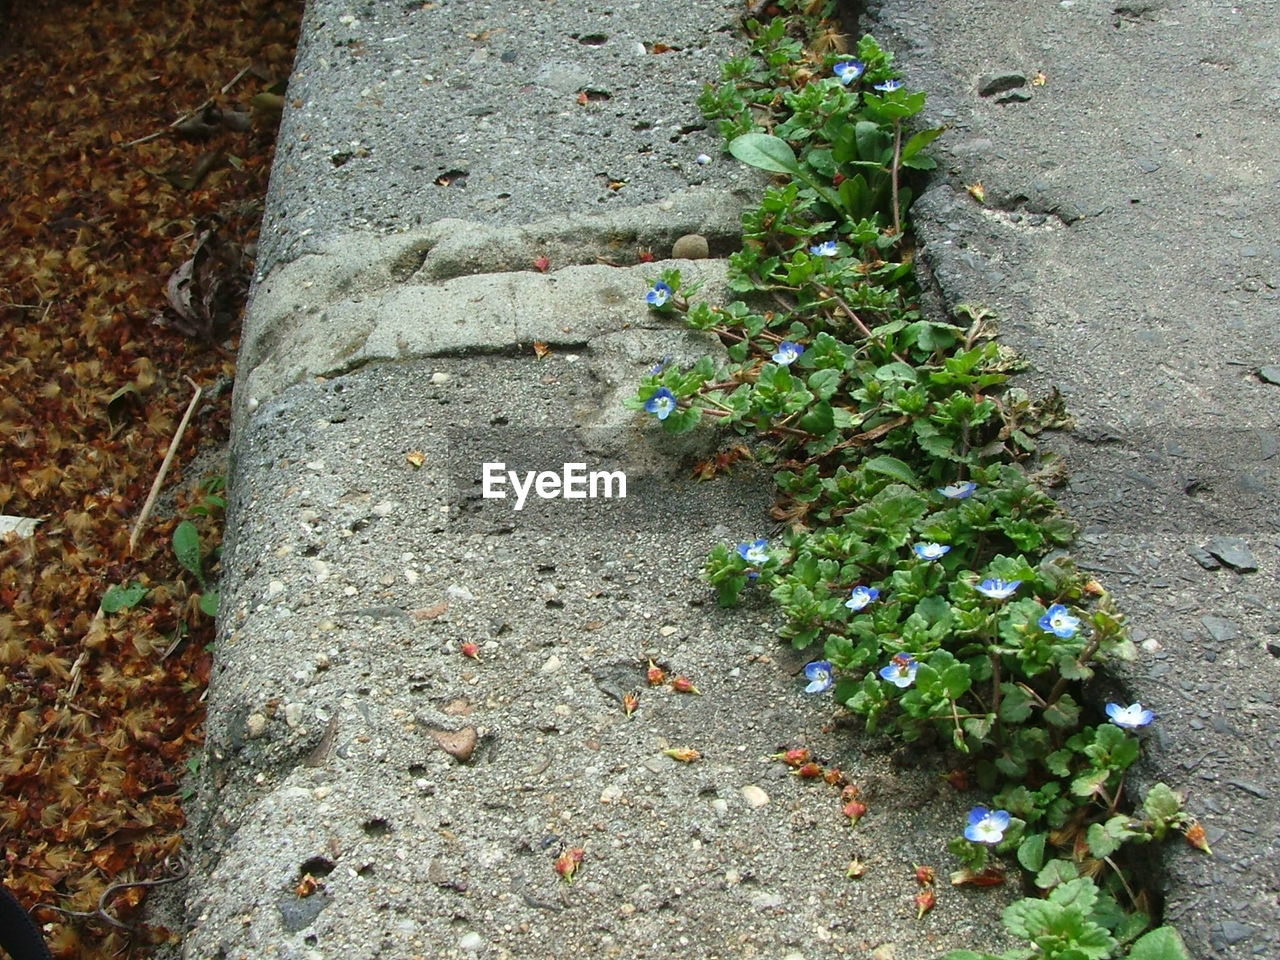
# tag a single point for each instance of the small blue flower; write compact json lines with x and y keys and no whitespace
{"x":825,"y":249}
{"x":658,"y":367}
{"x":998,"y":589}
{"x":901,"y":671}
{"x":1131,"y":717}
{"x":860,"y":597}
{"x":1060,"y":623}
{"x":819,"y":676}
{"x":755,"y":553}
{"x":959,"y":491}
{"x":931,"y":551}
{"x":662,"y":403}
{"x":849,"y":71}
{"x":659,"y":295}
{"x":788,"y":353}
{"x":986,"y":826}
{"x":889,"y":86}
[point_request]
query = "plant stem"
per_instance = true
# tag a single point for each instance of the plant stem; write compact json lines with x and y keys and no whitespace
{"x":897,"y":160}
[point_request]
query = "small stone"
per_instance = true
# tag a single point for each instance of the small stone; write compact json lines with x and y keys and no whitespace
{"x":293,"y":715}
{"x":1232,"y":932}
{"x":1220,"y":628}
{"x":1015,"y":96}
{"x":439,"y":378}
{"x":471,"y":942}
{"x":766,"y":901}
{"x":1234,"y":552}
{"x":459,"y":744}
{"x":659,"y":763}
{"x":1204,"y":558}
{"x":886,"y":951}
{"x":995,"y":83}
{"x":1273,"y":648}
{"x":692,"y":246}
{"x":611,"y":794}
{"x":1270,"y":374}
{"x":754,"y":796}
{"x":667,"y":631}
{"x":321,"y":661}
{"x":551,"y":666}
{"x":721,"y":806}
{"x":255,"y":726}
{"x":275,"y":588}
{"x":456,"y":591}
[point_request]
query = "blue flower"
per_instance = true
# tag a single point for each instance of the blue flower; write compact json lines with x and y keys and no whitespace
{"x":860,"y":597}
{"x":825,"y":249}
{"x":658,"y":367}
{"x":788,"y":353}
{"x":1060,"y":623}
{"x":819,"y":675}
{"x":959,"y":491}
{"x":659,"y":295}
{"x":901,"y":671}
{"x":931,"y":551}
{"x":986,"y":826}
{"x":998,"y":589}
{"x":755,"y":553}
{"x":1131,"y":717}
{"x":889,"y":86}
{"x":849,"y":71}
{"x":662,"y":403}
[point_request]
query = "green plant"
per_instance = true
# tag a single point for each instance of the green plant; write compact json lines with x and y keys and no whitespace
{"x":919,"y":550}
{"x":186,"y":547}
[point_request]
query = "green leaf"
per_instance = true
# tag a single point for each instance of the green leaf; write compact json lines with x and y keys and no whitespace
{"x":186,"y":547}
{"x":893,"y":467}
{"x":209,"y":603}
{"x":919,"y":141}
{"x":1101,"y":843}
{"x":1162,"y":803}
{"x":1031,"y":852}
{"x":824,"y":383}
{"x":122,"y":597}
{"x":1015,"y":704}
{"x":1081,"y":893}
{"x":818,"y":420}
{"x":1163,"y":943}
{"x":766,"y":152}
{"x":1056,"y":872}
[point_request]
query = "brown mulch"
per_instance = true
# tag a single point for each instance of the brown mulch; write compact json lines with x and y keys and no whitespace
{"x":102,"y":198}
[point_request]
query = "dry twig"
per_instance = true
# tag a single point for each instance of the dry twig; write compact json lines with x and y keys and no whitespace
{"x":164,"y":467}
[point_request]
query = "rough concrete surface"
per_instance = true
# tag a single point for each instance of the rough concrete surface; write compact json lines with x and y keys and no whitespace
{"x":370,"y":792}
{"x":1128,"y":245}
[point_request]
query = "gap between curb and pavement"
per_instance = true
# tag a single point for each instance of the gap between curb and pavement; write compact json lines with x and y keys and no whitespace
{"x":367,"y":790}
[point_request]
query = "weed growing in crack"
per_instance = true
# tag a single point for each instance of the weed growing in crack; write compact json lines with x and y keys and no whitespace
{"x":914,"y":533}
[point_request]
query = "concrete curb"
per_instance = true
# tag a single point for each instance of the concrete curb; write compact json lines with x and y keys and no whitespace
{"x":368,"y":790}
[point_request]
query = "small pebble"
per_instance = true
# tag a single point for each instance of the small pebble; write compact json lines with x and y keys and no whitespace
{"x":754,"y":796}
{"x":255,"y":726}
{"x":471,"y":942}
{"x":293,"y":715}
{"x":692,"y":246}
{"x":439,"y":378}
